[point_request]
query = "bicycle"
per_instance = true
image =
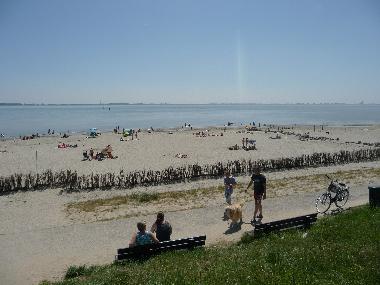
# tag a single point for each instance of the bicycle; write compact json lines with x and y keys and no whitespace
{"x":341,"y":191}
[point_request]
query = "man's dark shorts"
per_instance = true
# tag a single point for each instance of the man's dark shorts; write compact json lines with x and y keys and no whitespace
{"x":258,"y":196}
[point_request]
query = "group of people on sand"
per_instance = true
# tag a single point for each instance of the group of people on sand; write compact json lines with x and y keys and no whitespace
{"x":161,"y":230}
{"x":51,"y":132}
{"x":203,"y":134}
{"x":65,"y":145}
{"x":181,"y":155}
{"x":258,"y":184}
{"x":248,"y":144}
{"x":105,"y":153}
{"x":37,"y":135}
{"x":24,"y":138}
{"x":128,"y":134}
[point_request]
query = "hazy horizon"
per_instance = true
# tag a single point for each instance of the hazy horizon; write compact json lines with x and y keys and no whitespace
{"x":168,"y":103}
{"x":177,"y":52}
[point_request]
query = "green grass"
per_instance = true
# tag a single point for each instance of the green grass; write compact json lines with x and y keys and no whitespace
{"x":141,"y":198}
{"x":342,"y":249}
{"x":144,"y":197}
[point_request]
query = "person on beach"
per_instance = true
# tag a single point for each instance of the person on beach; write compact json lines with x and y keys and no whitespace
{"x":142,"y":236}
{"x":161,"y":227}
{"x":229,"y":184}
{"x":107,"y":152}
{"x":259,"y":192}
{"x":92,"y":153}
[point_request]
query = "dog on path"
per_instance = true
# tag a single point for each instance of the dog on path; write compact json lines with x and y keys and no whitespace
{"x":234,"y":213}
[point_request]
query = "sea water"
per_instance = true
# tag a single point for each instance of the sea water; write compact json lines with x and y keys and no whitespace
{"x":22,"y":120}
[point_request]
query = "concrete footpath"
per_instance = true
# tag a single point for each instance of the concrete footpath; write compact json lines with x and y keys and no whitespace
{"x":27,"y":257}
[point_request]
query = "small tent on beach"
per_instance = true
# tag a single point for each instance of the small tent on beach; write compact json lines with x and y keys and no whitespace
{"x":93,"y":132}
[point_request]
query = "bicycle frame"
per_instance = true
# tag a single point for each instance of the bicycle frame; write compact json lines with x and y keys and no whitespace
{"x":341,"y":194}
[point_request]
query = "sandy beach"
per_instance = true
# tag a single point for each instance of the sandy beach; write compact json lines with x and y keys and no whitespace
{"x":86,"y":227}
{"x":157,"y":150}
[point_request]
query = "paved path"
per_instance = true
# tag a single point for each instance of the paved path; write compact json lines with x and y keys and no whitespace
{"x":29,"y":256}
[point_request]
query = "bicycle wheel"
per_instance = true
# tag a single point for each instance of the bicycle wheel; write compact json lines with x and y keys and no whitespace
{"x":342,"y":198}
{"x":323,"y":203}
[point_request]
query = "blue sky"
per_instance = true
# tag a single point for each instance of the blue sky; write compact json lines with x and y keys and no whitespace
{"x":189,"y":51}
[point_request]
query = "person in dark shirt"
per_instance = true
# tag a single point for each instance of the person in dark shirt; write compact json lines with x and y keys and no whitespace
{"x":229,"y":184}
{"x":259,"y":192}
{"x":162,"y":228}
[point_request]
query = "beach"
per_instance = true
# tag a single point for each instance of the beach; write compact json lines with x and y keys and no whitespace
{"x":38,"y":227}
{"x":157,"y":150}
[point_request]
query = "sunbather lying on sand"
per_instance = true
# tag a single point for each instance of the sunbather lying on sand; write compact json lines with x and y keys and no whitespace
{"x":64,"y":145}
{"x":234,"y":147}
{"x":181,"y":155}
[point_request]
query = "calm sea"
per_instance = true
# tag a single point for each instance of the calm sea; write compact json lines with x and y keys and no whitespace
{"x":21,"y":120}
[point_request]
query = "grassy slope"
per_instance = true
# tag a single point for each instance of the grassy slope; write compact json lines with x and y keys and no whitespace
{"x":344,"y":249}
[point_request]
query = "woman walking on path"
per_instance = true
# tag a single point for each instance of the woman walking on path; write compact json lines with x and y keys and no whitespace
{"x":259,"y":182}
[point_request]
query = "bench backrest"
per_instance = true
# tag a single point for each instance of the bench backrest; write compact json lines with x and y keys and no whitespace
{"x":297,"y":222}
{"x":149,"y":249}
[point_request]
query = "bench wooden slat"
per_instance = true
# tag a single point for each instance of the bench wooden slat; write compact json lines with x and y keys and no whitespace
{"x":291,"y":223}
{"x":311,"y":218}
{"x":168,"y":245}
{"x":161,"y":249}
{"x":300,"y":218}
{"x":149,"y":249}
{"x":283,"y":225}
{"x":163,"y":243}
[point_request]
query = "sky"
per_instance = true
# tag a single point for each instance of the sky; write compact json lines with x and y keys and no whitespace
{"x":284,"y":51}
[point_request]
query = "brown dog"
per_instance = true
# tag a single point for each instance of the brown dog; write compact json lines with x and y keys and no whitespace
{"x":234,"y":213}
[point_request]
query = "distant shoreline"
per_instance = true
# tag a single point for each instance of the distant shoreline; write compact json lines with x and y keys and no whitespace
{"x":31,"y":119}
{"x":121,"y":104}
{"x":262,"y":127}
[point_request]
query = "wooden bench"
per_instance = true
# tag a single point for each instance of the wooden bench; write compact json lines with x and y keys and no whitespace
{"x":292,"y":223}
{"x":143,"y":251}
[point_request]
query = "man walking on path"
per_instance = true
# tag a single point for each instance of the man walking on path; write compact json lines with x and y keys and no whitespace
{"x":229,"y":184}
{"x":259,"y":192}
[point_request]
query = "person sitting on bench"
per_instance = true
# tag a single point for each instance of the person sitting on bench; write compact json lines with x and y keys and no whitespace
{"x":142,"y":237}
{"x":162,"y":228}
